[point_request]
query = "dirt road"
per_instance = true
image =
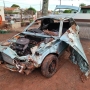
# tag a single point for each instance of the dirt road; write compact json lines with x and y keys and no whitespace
{"x":66,"y":78}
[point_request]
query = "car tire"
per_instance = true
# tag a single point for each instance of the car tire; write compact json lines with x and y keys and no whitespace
{"x":49,"y":65}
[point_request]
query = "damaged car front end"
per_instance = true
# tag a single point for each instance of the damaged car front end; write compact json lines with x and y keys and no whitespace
{"x":41,"y":45}
{"x":26,"y":51}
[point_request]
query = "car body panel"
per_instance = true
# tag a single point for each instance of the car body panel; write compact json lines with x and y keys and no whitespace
{"x":72,"y":38}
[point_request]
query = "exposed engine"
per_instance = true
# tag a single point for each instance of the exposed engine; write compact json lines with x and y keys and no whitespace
{"x":23,"y":45}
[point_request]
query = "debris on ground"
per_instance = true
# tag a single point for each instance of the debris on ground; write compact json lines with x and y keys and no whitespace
{"x":3,"y":31}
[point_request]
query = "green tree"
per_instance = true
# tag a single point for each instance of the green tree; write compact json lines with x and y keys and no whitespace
{"x":15,"y":5}
{"x":33,"y":10}
{"x":82,"y":4}
{"x":30,"y":10}
{"x":67,"y":11}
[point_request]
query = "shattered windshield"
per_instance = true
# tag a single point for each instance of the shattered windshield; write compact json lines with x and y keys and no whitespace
{"x":47,"y":26}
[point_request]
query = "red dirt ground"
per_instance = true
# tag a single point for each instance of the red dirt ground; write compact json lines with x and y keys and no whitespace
{"x":66,"y":78}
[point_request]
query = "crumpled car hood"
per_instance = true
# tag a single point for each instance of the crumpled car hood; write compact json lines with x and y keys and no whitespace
{"x":72,"y":38}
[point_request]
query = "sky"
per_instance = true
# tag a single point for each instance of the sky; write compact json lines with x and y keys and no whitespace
{"x":37,"y":4}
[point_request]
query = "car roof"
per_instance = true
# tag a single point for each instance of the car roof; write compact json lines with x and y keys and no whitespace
{"x":57,"y":17}
{"x":63,"y":16}
{"x":68,"y":7}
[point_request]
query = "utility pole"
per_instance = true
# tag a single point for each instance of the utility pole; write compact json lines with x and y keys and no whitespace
{"x":4,"y":3}
{"x":21,"y":14}
{"x":39,"y":14}
{"x":40,"y":5}
{"x":45,"y":8}
{"x":60,"y":2}
{"x":72,"y":2}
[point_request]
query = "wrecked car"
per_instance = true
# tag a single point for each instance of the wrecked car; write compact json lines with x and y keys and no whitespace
{"x":40,"y":45}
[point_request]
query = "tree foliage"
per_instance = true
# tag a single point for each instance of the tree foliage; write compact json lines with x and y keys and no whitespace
{"x":15,"y":5}
{"x":30,"y":10}
{"x":67,"y":11}
{"x":82,"y":4}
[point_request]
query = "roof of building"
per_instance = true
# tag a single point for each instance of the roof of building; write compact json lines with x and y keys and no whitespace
{"x":86,"y":6}
{"x":10,"y":8}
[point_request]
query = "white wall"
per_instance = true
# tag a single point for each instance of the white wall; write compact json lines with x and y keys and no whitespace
{"x":16,"y":25}
{"x":2,"y":13}
{"x":82,"y":16}
{"x":79,"y":15}
{"x":16,"y":10}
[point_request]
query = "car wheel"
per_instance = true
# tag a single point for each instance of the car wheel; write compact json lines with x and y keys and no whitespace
{"x":49,"y":65}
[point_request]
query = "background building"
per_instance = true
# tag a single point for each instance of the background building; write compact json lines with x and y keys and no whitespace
{"x":2,"y":14}
{"x":85,"y":9}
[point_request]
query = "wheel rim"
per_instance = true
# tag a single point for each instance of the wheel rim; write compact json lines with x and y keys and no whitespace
{"x":52,"y":67}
